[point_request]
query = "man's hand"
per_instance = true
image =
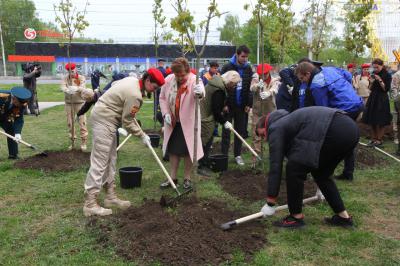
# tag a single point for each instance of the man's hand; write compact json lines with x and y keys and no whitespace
{"x":228,"y":125}
{"x":122,"y":132}
{"x":167,"y":119}
{"x":198,"y":90}
{"x":225,"y":109}
{"x":18,"y":137}
{"x":264,"y":95}
{"x":145,"y":139}
{"x":268,"y":210}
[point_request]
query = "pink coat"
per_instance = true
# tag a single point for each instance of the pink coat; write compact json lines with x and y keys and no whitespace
{"x":186,"y":114}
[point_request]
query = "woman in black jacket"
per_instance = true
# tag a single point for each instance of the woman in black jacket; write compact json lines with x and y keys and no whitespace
{"x":314,"y":140}
{"x":377,"y":111}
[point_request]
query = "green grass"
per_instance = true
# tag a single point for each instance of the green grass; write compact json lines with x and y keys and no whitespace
{"x":46,"y":92}
{"x":41,"y":221}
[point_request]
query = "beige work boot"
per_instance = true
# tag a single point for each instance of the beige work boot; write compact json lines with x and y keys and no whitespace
{"x":91,"y":207}
{"x":84,"y":145}
{"x":71,"y":146}
{"x":111,"y":199}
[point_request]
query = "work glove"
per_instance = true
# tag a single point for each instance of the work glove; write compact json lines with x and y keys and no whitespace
{"x":228,"y":125}
{"x":167,"y":119}
{"x":268,"y":209}
{"x":122,"y":132}
{"x":71,"y":90}
{"x":198,"y":90}
{"x":260,"y":84}
{"x":264,"y":95}
{"x":145,"y":139}
{"x":290,"y":89}
{"x":18,"y":137}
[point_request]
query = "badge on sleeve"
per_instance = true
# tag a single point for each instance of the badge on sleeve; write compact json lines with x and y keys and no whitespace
{"x":134,"y":110}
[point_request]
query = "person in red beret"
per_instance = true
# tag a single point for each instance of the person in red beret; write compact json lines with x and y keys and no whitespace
{"x":118,"y":107}
{"x":361,"y":82}
{"x":264,"y":88}
{"x":351,"y":68}
{"x":74,"y":87}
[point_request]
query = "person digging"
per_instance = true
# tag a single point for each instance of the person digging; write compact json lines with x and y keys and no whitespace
{"x":117,"y":107}
{"x":211,"y":108}
{"x":314,"y":140}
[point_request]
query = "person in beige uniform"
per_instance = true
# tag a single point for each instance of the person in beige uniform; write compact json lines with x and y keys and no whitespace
{"x":74,"y":86}
{"x":361,"y":82}
{"x":264,"y":91}
{"x":117,"y":107}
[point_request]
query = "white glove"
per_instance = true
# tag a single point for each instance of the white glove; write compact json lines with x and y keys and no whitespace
{"x":290,"y":89}
{"x":268,"y":210}
{"x":72,"y":89}
{"x":18,"y":137}
{"x":260,"y":84}
{"x":145,"y":139}
{"x":264,"y":95}
{"x":198,"y":90}
{"x":228,"y":125}
{"x":167,"y":119}
{"x":122,"y":132}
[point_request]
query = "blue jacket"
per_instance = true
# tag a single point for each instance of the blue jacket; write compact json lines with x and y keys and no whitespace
{"x":10,"y":113}
{"x":331,"y":88}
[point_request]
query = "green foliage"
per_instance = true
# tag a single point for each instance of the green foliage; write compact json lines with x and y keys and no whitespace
{"x":356,"y":29}
{"x":159,"y":22}
{"x":230,"y":31}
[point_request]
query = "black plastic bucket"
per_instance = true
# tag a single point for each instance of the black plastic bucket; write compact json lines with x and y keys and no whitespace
{"x":218,"y":162}
{"x":155,"y":140}
{"x":130,"y":177}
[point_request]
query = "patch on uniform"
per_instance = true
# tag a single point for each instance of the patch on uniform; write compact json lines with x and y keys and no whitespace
{"x":134,"y":110}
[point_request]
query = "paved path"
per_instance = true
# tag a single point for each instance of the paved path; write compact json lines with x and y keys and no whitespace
{"x":45,"y":105}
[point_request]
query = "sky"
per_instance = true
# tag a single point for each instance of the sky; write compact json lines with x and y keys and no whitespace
{"x":131,"y":20}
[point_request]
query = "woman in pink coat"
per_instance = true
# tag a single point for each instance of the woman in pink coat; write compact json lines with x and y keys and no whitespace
{"x":177,"y":102}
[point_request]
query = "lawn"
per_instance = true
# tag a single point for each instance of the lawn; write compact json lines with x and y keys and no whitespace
{"x":41,"y":220}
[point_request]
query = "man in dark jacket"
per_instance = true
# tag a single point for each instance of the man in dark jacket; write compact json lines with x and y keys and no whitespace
{"x":95,"y":79}
{"x":238,"y":102}
{"x":330,"y":87}
{"x":289,"y":82}
{"x":314,"y":140}
{"x":32,"y":72}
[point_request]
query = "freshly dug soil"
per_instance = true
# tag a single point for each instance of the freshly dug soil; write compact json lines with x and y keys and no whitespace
{"x":251,"y":186}
{"x":56,"y":161}
{"x":368,"y":157}
{"x":187,"y":235}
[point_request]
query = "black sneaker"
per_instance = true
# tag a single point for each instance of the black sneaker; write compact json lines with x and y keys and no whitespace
{"x":336,"y":220}
{"x":187,"y":184}
{"x":344,"y":177}
{"x":289,"y":222}
{"x":167,"y":184}
{"x":371,"y":144}
{"x":13,"y":157}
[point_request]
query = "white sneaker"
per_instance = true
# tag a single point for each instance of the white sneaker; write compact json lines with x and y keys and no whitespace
{"x":239,"y":160}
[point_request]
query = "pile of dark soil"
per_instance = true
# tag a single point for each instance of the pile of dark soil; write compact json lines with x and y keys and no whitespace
{"x":251,"y":186}
{"x":368,"y":157}
{"x":56,"y":161}
{"x":187,"y":235}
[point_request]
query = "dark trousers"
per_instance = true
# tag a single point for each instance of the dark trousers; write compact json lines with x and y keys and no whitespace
{"x":349,"y":160}
{"x":12,"y":145}
{"x":238,"y":116}
{"x":32,"y":103}
{"x":204,"y":162}
{"x":340,"y":140}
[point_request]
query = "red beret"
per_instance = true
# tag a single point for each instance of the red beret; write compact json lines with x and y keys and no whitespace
{"x":157,"y":76}
{"x":366,"y":65}
{"x":267,"y":68}
{"x":168,"y":71}
{"x":351,"y":65}
{"x":194,"y":71}
{"x":70,"y":65}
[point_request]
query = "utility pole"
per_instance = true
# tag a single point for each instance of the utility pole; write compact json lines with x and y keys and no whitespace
{"x":3,"y":56}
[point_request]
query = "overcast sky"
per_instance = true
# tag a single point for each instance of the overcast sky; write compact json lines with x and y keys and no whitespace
{"x":131,"y":20}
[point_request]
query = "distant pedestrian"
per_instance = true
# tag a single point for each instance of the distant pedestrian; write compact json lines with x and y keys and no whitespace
{"x":32,"y":72}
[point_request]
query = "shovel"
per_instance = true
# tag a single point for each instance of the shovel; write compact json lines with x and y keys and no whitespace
{"x":231,"y":224}
{"x":245,"y":143}
{"x":41,"y":153}
{"x":164,"y":201}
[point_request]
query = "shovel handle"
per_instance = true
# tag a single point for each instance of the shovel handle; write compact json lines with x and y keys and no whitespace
{"x":382,"y":151}
{"x":18,"y":141}
{"x":245,"y":143}
{"x":123,"y":142}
